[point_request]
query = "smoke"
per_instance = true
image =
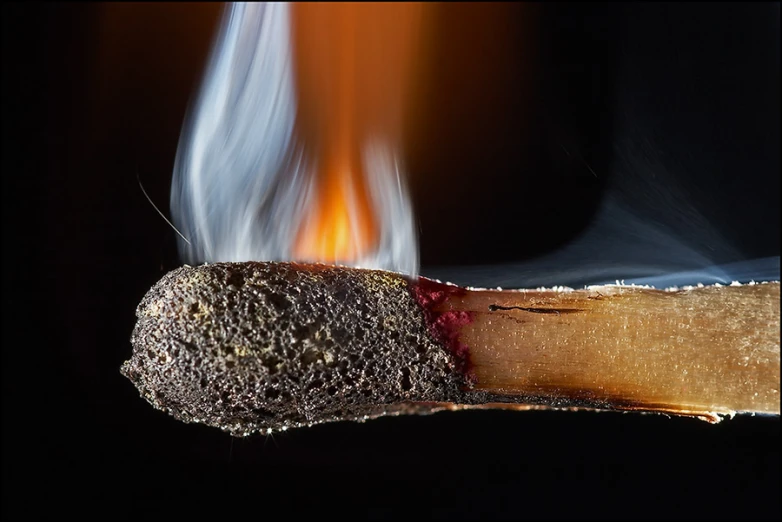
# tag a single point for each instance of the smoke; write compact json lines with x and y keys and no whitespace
{"x":647,"y":231}
{"x":619,"y":245}
{"x":691,"y":142}
{"x":243,"y":176}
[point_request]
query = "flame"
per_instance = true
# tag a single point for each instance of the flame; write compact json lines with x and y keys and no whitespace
{"x":292,"y":150}
{"x":342,"y":50}
{"x":340,"y":227}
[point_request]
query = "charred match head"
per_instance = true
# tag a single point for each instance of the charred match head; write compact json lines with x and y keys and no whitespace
{"x":252,"y":347}
{"x":256,"y":346}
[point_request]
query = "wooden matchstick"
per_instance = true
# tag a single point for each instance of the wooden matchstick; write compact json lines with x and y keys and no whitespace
{"x":255,"y":347}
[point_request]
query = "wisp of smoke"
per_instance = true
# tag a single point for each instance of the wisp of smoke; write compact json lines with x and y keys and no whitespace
{"x":632,"y":239}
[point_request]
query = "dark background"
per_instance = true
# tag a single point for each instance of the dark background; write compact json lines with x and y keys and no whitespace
{"x":94,"y":95}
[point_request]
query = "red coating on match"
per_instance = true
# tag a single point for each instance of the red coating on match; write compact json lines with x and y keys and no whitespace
{"x":445,"y":325}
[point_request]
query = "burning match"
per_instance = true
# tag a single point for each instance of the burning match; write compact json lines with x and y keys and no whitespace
{"x":256,"y":347}
{"x":292,"y":153}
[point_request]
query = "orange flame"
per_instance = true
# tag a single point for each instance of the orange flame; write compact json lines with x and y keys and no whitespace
{"x":352,"y":64}
{"x":340,"y":227}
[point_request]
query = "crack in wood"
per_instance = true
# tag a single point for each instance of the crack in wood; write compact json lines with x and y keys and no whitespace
{"x":558,"y":311}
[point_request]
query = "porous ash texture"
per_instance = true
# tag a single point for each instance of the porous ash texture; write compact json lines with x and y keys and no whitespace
{"x":253,"y":347}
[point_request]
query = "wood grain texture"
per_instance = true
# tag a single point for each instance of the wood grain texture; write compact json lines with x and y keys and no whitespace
{"x":703,"y":351}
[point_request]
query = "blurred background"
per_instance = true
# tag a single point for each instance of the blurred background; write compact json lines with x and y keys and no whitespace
{"x":531,"y":117}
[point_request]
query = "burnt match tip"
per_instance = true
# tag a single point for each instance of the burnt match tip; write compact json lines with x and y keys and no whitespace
{"x":251,"y":347}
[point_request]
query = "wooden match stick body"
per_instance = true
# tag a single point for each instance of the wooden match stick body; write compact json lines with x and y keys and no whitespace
{"x":251,"y":347}
{"x":701,"y":351}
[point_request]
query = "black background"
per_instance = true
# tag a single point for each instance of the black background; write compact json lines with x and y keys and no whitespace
{"x":94,"y":96}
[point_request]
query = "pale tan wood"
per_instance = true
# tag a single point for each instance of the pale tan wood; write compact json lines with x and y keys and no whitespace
{"x":705,"y":351}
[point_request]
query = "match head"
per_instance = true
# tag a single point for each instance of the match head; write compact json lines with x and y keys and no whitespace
{"x":252,"y":347}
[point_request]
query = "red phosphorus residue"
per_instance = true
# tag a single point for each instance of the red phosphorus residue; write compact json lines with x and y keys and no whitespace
{"x":445,"y":325}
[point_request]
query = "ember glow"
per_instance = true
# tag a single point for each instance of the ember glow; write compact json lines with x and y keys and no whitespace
{"x":292,"y":149}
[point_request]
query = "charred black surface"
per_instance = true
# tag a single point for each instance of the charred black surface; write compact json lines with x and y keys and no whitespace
{"x":248,"y":347}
